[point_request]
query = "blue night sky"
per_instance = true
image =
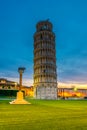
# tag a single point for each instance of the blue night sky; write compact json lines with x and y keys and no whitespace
{"x":18,"y":19}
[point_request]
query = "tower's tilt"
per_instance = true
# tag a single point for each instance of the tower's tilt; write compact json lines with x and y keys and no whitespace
{"x":45,"y":76}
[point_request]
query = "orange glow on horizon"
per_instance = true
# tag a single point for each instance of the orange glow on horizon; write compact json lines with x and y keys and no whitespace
{"x":71,"y":85}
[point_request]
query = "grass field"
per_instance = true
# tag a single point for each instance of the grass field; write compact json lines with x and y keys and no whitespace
{"x":44,"y":115}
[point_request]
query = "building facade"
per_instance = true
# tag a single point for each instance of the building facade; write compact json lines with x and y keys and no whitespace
{"x":45,"y":75}
{"x":72,"y":93}
{"x":7,"y":85}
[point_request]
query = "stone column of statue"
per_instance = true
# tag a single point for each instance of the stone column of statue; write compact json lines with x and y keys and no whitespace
{"x":20,"y":98}
{"x":21,"y":71}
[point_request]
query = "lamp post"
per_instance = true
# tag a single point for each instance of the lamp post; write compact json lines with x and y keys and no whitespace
{"x":21,"y":71}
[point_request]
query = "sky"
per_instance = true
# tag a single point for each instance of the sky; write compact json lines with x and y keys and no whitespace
{"x":18,"y":19}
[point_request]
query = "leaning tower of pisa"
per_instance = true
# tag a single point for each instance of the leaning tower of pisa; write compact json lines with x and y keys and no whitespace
{"x":45,"y":76}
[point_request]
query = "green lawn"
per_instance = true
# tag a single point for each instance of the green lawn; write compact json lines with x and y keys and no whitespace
{"x":44,"y":115}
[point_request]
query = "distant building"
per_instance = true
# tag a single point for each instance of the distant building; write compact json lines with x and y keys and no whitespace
{"x":45,"y":75}
{"x":72,"y":92}
{"x":29,"y":91}
{"x":6,"y":84}
{"x":11,"y":85}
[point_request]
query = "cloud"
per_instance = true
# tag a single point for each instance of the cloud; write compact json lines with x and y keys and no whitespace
{"x":73,"y":68}
{"x":26,"y":81}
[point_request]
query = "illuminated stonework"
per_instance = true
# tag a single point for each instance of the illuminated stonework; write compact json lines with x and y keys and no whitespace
{"x":45,"y":77}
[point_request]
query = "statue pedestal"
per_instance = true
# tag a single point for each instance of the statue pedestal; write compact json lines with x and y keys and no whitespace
{"x":20,"y":99}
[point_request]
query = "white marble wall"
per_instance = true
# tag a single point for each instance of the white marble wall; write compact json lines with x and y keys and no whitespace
{"x":46,"y":92}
